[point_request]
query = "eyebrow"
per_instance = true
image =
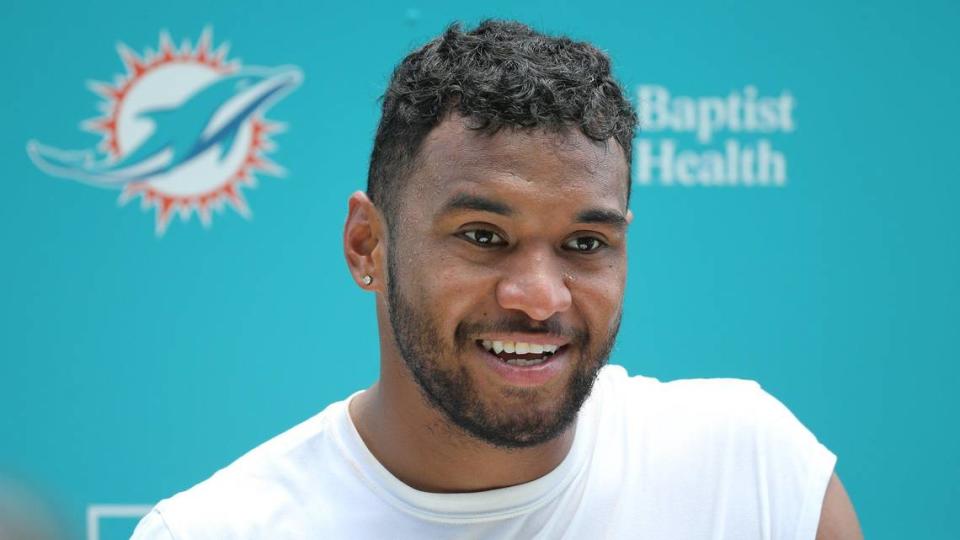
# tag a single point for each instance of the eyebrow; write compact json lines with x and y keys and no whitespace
{"x":464,"y":201}
{"x":602,"y":216}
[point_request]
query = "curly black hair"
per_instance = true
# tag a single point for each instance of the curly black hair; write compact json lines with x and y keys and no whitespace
{"x":501,"y":74}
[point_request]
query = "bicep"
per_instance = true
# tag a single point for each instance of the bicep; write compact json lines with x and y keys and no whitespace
{"x":838,"y":520}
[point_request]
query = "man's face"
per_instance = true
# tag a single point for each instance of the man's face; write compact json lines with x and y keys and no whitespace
{"x":506,"y":269}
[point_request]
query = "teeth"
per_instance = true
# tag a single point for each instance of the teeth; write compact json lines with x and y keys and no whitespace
{"x":518,"y":347}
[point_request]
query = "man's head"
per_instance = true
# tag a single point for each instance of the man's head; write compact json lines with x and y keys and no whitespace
{"x":500,"y":179}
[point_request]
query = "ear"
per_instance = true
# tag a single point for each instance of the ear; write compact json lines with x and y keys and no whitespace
{"x":629,"y":216}
{"x":364,"y":242}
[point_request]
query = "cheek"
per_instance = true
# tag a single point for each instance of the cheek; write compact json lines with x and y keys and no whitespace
{"x":599,"y":297}
{"x":453,"y":288}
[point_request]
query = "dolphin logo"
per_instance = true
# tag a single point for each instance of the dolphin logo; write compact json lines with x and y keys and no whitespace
{"x":183,"y":129}
{"x":208,"y":118}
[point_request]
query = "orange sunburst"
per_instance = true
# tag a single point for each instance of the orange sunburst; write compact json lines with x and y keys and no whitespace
{"x":204,"y":63}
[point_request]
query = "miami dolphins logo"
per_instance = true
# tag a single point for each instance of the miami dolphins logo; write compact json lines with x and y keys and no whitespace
{"x":183,"y":130}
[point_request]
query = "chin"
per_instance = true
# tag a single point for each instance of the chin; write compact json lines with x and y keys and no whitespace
{"x":517,"y":417}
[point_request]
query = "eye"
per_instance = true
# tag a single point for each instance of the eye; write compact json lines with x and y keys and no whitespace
{"x":484,"y":238}
{"x":585,"y":244}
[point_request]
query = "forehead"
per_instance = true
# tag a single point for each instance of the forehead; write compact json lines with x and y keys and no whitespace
{"x":565,"y":166}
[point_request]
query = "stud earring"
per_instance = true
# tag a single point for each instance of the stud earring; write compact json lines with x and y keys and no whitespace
{"x":367,"y":279}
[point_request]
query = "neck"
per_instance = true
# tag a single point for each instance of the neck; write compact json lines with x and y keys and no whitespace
{"x":420,"y":447}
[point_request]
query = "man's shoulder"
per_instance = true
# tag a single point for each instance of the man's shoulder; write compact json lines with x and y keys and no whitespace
{"x":725,"y":444}
{"x":697,"y":408}
{"x":705,"y":395}
{"x":689,"y":422}
{"x":258,"y":490}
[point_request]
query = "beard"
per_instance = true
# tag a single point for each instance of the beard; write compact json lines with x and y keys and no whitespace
{"x":523,"y":420}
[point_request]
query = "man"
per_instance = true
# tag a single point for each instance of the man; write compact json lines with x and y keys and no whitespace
{"x":493,"y":234}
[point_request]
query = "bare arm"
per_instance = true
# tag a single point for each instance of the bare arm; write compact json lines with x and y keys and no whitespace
{"x":838,"y":520}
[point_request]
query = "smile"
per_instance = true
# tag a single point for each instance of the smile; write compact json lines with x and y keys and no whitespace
{"x":519,"y":353}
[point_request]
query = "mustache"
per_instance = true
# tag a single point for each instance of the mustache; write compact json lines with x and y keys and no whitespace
{"x":520,"y":324}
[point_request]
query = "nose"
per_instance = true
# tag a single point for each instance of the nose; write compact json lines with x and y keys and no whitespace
{"x":534,"y":284}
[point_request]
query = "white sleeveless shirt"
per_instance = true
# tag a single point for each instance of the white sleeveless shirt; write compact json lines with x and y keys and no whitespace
{"x":689,"y":459}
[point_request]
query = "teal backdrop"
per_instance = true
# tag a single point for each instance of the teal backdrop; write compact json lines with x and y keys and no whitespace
{"x":134,"y":365}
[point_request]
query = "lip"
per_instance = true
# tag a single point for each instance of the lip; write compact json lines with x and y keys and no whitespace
{"x":526,"y":376}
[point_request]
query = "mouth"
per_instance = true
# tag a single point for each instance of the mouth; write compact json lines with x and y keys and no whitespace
{"x":524,"y":364}
{"x":519,"y":353}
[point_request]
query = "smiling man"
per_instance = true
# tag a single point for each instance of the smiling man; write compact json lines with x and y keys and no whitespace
{"x":493,"y":234}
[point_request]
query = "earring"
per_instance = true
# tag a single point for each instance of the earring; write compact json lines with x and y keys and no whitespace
{"x":367,"y":279}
